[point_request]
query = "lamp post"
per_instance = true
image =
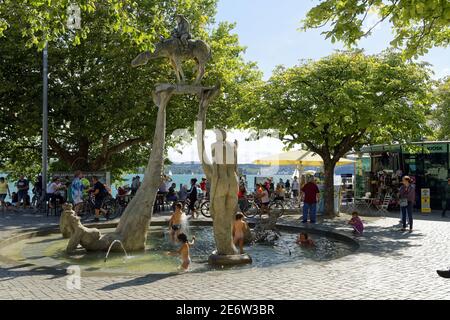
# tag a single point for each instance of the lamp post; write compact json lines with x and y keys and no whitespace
{"x":44,"y":121}
{"x":73,"y":22}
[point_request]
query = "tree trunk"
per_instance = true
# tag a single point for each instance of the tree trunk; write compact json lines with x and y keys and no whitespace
{"x":329,"y":188}
{"x":134,"y":223}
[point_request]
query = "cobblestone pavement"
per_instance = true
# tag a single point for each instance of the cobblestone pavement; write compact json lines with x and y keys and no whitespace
{"x":389,"y":265}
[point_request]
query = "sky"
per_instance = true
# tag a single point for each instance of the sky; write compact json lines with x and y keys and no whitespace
{"x":269,"y":30}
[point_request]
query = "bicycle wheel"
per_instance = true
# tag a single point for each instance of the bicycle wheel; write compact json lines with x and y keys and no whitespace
{"x":252,"y":210}
{"x":291,"y":204}
{"x":204,"y":209}
{"x":87,"y":211}
{"x":277,"y":207}
{"x":110,"y":206}
{"x":116,"y":210}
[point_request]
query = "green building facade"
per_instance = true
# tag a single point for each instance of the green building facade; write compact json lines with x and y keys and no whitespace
{"x":427,"y":163}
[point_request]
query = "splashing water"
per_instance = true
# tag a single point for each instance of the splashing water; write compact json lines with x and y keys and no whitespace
{"x":110,"y":246}
{"x":184,"y":223}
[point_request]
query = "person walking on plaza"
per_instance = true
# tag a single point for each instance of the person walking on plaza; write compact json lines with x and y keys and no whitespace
{"x":135,"y":184}
{"x":22,"y":190}
{"x":208,"y":189}
{"x":37,"y":189}
{"x":287,"y":185}
{"x":86,"y":186}
{"x":77,"y":191}
{"x":192,"y":196}
{"x":310,"y":195}
{"x":100,"y":192}
{"x":295,"y":187}
{"x":183,"y":193}
{"x":446,"y":198}
{"x":4,"y":190}
{"x":407,"y":199}
{"x":203,"y":185}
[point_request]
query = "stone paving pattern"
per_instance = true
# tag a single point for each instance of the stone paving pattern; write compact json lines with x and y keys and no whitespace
{"x":389,"y":265}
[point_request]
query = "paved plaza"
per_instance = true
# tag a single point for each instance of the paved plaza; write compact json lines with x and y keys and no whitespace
{"x":389,"y":264}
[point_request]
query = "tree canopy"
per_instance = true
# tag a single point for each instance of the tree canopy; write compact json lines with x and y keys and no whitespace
{"x":418,"y":25}
{"x":441,"y":114}
{"x":341,"y":102}
{"x":101,"y":115}
{"x":141,"y":21}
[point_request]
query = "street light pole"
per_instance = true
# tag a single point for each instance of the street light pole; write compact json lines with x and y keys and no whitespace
{"x":44,"y":120}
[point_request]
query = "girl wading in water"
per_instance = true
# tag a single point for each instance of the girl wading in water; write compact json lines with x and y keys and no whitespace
{"x":184,"y":251}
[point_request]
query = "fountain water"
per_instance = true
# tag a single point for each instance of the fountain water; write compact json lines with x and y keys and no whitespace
{"x":184,"y":223}
{"x":110,"y":246}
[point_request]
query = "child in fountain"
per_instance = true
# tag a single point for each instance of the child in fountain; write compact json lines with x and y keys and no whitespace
{"x":303,"y":240}
{"x":239,"y":228}
{"x":356,"y":223}
{"x":184,"y":251}
{"x":175,"y":222}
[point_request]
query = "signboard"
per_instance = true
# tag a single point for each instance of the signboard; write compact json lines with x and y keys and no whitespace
{"x":425,"y":200}
{"x":436,"y":148}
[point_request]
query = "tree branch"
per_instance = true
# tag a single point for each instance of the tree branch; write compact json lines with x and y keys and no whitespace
{"x":62,"y":153}
{"x":124,"y":145}
{"x":103,"y":158}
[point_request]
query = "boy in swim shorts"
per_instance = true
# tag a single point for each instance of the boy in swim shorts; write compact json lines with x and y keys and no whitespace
{"x":175,"y":222}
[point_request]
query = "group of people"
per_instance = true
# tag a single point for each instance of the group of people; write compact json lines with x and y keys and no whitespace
{"x":76,"y":191}
{"x":191,"y":193}
{"x":59,"y":190}
{"x":19,"y":198}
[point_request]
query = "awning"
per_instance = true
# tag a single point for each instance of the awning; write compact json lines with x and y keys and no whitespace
{"x":299,"y":158}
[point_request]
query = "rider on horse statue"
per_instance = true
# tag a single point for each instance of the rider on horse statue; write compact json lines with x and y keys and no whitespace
{"x":182,"y":31}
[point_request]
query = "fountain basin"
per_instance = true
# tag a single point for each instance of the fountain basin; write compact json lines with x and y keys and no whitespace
{"x":45,"y":250}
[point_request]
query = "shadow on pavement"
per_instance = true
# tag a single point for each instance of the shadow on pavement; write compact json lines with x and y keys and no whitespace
{"x":383,"y":241}
{"x":139,"y":281}
{"x":14,"y":272}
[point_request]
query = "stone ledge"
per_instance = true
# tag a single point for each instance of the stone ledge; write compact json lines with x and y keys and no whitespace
{"x":229,"y":260}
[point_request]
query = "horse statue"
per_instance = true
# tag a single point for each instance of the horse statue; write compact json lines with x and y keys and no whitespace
{"x":174,"y":50}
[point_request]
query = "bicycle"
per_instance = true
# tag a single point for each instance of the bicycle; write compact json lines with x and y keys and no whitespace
{"x":108,"y":208}
{"x":291,"y":203}
{"x":120,"y":204}
{"x":254,"y":207}
{"x":201,"y":204}
{"x":37,"y":202}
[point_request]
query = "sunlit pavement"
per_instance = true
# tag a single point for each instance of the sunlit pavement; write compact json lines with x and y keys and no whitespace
{"x":390,"y":264}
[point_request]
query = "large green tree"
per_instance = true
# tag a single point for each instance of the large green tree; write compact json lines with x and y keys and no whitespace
{"x":341,"y":102}
{"x":101,"y":116}
{"x":441,"y":114}
{"x":418,"y":25}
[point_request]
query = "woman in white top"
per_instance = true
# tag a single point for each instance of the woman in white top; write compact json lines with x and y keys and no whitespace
{"x":52,"y":192}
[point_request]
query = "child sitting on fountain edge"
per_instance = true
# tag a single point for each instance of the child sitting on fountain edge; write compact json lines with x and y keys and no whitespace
{"x":184,"y":251}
